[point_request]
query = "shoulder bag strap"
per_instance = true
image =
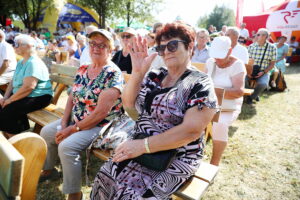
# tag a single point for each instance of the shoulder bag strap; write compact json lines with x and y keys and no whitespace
{"x":264,"y":55}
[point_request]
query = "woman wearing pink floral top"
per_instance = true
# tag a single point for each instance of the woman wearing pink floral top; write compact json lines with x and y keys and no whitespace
{"x":94,"y":101}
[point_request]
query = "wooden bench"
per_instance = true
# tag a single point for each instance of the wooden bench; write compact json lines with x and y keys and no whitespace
{"x":61,"y":77}
{"x":22,"y":158}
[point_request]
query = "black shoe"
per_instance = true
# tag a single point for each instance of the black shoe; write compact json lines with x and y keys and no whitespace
{"x":53,"y":176}
{"x":249,"y":101}
{"x":257,"y":98}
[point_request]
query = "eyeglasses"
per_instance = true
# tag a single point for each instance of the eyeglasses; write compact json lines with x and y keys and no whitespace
{"x":100,"y":46}
{"x":259,"y":34}
{"x":126,"y":36}
{"x":172,"y":46}
{"x":17,"y":45}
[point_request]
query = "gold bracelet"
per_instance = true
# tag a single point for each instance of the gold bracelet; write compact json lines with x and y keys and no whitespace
{"x":147,"y":145}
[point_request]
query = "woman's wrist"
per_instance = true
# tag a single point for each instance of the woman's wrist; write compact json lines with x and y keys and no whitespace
{"x":146,"y":144}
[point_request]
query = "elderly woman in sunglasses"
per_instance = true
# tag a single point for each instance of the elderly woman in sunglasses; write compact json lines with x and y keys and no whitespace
{"x":29,"y":90}
{"x":94,"y":101}
{"x":122,"y":58}
{"x":174,"y":104}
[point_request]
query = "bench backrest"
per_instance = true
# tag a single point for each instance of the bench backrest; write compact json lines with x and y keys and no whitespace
{"x":34,"y":149}
{"x":62,"y":76}
{"x":11,"y":170}
{"x":199,"y":66}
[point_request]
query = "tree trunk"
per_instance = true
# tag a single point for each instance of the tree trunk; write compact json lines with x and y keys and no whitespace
{"x":128,"y":14}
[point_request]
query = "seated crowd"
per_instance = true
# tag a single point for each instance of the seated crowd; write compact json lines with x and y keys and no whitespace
{"x":174,"y":100}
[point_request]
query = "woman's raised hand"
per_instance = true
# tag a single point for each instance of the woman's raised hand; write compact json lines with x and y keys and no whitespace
{"x":140,"y":59}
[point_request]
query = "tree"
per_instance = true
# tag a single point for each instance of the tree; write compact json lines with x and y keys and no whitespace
{"x":202,"y":22}
{"x":139,"y":10}
{"x":28,"y":11}
{"x":218,"y":17}
{"x":105,"y":8}
{"x":5,"y":11}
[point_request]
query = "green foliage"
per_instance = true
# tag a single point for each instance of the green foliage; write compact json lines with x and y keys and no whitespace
{"x":139,"y":10}
{"x":202,"y":22}
{"x":220,"y":16}
{"x":131,"y":10}
{"x":27,"y":10}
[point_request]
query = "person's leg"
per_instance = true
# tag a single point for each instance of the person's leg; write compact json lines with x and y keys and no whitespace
{"x":274,"y":77}
{"x":220,"y":138}
{"x":69,"y":152}
{"x":220,"y":134}
{"x":48,"y":132}
{"x":13,"y":117}
{"x":261,"y":84}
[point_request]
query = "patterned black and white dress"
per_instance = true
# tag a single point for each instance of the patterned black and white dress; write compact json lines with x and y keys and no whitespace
{"x":160,"y":109}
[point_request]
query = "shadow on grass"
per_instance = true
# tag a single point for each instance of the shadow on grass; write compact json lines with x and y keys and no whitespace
{"x":247,"y":112}
{"x":232,"y":130}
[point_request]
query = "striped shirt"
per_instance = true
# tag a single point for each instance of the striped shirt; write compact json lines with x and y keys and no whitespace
{"x":256,"y":52}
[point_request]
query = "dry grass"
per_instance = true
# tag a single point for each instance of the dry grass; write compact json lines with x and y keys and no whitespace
{"x":262,"y":160}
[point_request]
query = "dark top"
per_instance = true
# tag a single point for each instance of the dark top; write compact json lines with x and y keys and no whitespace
{"x":124,"y":63}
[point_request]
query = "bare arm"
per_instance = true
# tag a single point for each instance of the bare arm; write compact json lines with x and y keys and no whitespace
{"x":193,"y":125}
{"x":4,"y":66}
{"x":105,"y":102}
{"x":237,"y":90}
{"x":141,"y":62}
{"x":67,"y":113}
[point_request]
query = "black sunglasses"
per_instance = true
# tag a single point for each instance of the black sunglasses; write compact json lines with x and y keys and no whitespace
{"x":172,"y":46}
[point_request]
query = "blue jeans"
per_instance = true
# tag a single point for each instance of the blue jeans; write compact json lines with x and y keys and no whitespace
{"x":261,"y":84}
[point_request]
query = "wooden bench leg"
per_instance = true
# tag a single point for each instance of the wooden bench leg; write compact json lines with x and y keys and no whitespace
{"x":37,"y":128}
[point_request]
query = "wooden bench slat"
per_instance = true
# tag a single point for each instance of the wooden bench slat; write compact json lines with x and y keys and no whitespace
{"x":63,"y":69}
{"x":248,"y":92}
{"x":194,"y":189}
{"x":42,"y":117}
{"x":64,"y":80}
{"x":207,"y":172}
{"x":11,"y":169}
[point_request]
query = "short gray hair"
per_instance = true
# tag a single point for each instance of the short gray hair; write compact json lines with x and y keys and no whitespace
{"x":234,"y":30}
{"x":25,"y":39}
{"x":202,"y":30}
{"x":266,"y":31}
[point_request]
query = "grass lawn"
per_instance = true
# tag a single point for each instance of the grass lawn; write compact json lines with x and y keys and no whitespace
{"x":262,"y":160}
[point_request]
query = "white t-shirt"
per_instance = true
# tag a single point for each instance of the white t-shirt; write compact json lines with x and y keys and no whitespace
{"x":241,"y":53}
{"x":85,"y":58}
{"x":244,"y":33}
{"x":222,"y":76}
{"x":158,"y":62}
{"x":7,"y":53}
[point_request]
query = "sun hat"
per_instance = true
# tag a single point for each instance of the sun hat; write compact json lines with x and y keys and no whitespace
{"x":129,"y":30}
{"x":220,"y":47}
{"x":71,"y":37}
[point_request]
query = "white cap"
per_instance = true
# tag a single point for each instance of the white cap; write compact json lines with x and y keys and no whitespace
{"x":103,"y":32}
{"x":220,"y":47}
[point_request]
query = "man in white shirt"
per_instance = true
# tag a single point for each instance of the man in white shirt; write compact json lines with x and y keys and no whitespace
{"x":244,"y":33}
{"x":238,"y":50}
{"x":85,"y":55}
{"x":201,"y":49}
{"x":8,"y":60}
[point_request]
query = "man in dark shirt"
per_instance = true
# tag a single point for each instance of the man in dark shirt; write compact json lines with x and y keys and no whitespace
{"x":122,"y":57}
